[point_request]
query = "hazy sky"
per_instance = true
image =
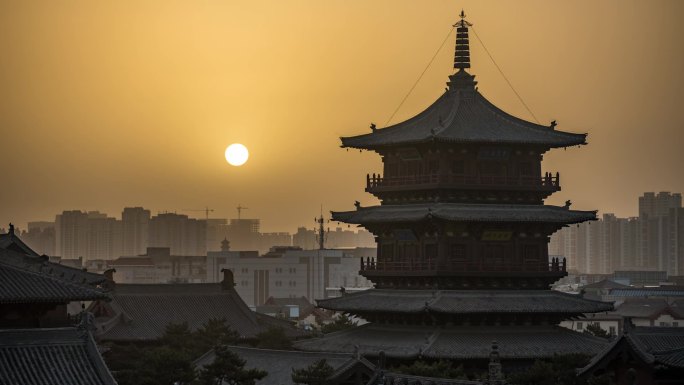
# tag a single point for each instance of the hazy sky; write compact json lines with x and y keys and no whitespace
{"x":106,"y":104}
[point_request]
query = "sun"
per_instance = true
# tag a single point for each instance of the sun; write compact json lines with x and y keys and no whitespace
{"x":237,"y":154}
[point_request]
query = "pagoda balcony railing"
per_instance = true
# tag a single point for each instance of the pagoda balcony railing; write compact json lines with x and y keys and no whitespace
{"x":549,"y":181}
{"x":555,"y":266}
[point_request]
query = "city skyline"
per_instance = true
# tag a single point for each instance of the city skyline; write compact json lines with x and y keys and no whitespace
{"x":124,"y":116}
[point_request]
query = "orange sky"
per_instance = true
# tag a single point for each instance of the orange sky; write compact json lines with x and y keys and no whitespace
{"x":106,"y":104}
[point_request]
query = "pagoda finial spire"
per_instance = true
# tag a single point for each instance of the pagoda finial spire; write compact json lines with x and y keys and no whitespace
{"x":462,"y":56}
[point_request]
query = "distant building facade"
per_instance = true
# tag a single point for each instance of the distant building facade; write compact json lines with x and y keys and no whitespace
{"x":71,"y":229}
{"x":136,"y":230}
{"x":183,"y":235}
{"x":41,"y":237}
{"x":289,"y":272}
{"x":652,"y":241}
{"x":158,"y":265}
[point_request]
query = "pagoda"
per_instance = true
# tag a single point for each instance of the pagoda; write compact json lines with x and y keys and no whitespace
{"x":462,"y":236}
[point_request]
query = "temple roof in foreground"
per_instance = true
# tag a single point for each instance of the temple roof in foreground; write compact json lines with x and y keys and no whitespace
{"x":464,"y":212}
{"x":51,"y":356}
{"x":142,"y":311}
{"x":463,"y":115}
{"x":32,"y":279}
{"x":463,"y":302}
{"x":462,"y":342}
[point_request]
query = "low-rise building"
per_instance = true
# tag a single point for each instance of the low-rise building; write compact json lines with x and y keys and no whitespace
{"x":289,"y":272}
{"x":159,"y":266}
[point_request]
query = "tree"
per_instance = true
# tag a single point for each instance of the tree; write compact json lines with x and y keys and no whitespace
{"x":273,"y":338}
{"x":124,"y":361}
{"x":559,"y":370}
{"x":166,"y":366}
{"x":216,"y":331}
{"x":342,"y":322}
{"x":230,"y":368}
{"x":596,"y":330}
{"x":178,"y":336}
{"x":315,"y":374}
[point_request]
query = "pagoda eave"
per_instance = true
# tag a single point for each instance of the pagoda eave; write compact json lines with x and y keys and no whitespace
{"x":356,"y":142}
{"x":465,"y":343}
{"x":464,"y":302}
{"x":464,"y":212}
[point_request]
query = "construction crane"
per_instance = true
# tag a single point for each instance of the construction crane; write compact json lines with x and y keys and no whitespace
{"x":239,"y":209}
{"x":206,"y":210}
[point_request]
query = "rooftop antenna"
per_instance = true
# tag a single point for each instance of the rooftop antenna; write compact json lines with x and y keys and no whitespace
{"x":322,"y":234}
{"x":239,"y":209}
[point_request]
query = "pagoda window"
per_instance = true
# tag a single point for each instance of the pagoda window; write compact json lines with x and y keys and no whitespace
{"x":409,"y":168}
{"x":531,"y":253}
{"x":430,"y":251}
{"x":526,"y":169}
{"x":409,"y":251}
{"x":391,"y":169}
{"x":458,"y":252}
{"x":433,"y":167}
{"x":458,"y":167}
{"x":491,"y":168}
{"x":494,"y":253}
{"x":387,"y":252}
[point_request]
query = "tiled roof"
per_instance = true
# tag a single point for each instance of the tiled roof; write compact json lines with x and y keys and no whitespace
{"x":514,"y":342}
{"x":142,"y":311}
{"x":278,"y":363}
{"x":648,"y":308}
{"x":29,"y":279}
{"x":605,"y":284}
{"x":459,"y":118}
{"x":9,"y":241}
{"x":41,"y":264}
{"x":659,"y":339}
{"x":395,"y":341}
{"x":65,"y":356}
{"x":646,"y":292}
{"x":464,"y":212}
{"x":463,"y":301}
{"x":462,"y":342}
{"x":654,"y":345}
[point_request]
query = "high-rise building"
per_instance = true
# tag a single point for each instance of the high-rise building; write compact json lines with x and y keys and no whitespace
{"x":647,"y":243}
{"x":269,"y":240}
{"x":675,"y":242}
{"x":41,"y":237}
{"x":654,"y":210}
{"x":71,"y":234}
{"x":183,"y":235}
{"x":243,"y":234}
{"x":90,"y":235}
{"x":658,"y":205}
{"x":305,"y":238}
{"x":136,"y":230}
{"x":104,"y":235}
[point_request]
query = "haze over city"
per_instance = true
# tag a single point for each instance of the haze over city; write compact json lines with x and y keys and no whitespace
{"x":105,"y":105}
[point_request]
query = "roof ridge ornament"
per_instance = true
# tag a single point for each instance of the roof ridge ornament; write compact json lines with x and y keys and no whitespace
{"x":462,"y":55}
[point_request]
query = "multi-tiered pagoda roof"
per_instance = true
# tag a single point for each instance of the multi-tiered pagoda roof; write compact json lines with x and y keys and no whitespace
{"x":462,"y":233}
{"x":463,"y":115}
